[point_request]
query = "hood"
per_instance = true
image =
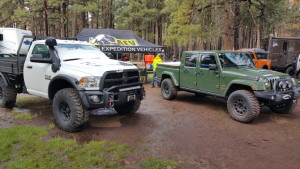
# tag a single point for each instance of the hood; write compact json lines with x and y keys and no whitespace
{"x":253,"y":73}
{"x":96,"y":67}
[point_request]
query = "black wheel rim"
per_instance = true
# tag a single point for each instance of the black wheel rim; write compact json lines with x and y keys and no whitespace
{"x":1,"y":93}
{"x":65,"y":111}
{"x":240,"y":106}
{"x":166,"y":89}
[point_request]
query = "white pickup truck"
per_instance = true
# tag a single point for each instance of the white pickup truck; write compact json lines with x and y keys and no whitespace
{"x":75,"y":75}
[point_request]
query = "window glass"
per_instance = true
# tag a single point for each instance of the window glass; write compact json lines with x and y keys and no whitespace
{"x":285,"y":47}
{"x":207,"y":59}
{"x":41,"y":49}
{"x":191,"y":60}
{"x":236,"y":59}
{"x":261,"y":56}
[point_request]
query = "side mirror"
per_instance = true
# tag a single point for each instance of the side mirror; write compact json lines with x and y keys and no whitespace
{"x":212,"y":67}
{"x":38,"y":58}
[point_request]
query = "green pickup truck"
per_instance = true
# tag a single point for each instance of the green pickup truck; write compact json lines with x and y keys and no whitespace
{"x":230,"y":75}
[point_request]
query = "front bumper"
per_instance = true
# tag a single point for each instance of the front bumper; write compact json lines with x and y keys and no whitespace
{"x":278,"y":97}
{"x":110,"y":98}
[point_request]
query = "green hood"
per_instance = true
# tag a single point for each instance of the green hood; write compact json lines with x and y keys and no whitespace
{"x":253,"y":73}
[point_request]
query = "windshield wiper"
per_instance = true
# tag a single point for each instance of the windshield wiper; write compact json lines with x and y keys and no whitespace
{"x":231,"y":65}
{"x":248,"y":65}
{"x":72,"y":59}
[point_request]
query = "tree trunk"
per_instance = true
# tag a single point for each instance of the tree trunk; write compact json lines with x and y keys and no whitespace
{"x":236,"y":28}
{"x":45,"y":6}
{"x":228,"y":38}
{"x":74,"y":22}
{"x":33,"y":28}
{"x":63,"y":17}
{"x":258,"y":36}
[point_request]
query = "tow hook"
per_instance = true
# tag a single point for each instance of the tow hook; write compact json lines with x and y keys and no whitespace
{"x":110,"y":101}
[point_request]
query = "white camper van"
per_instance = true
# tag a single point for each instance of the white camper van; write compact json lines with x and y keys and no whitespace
{"x":10,"y":39}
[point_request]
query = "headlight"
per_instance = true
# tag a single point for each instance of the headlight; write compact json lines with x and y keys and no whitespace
{"x":289,"y":84}
{"x":90,"y":82}
{"x":265,"y":82}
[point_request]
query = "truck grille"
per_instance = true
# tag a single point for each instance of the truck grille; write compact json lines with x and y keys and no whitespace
{"x":280,"y":84}
{"x":116,"y":78}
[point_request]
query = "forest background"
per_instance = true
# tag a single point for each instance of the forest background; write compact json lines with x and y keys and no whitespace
{"x":178,"y":24}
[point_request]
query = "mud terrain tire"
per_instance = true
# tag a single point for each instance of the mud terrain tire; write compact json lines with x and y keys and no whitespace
{"x":68,"y":111}
{"x":290,"y":71}
{"x":8,"y":95}
{"x":243,"y":106}
{"x":128,"y":108}
{"x":168,"y":89}
{"x":284,"y":108}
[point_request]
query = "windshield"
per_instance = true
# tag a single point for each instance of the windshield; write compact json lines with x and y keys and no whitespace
{"x":236,"y":59}
{"x":261,"y":56}
{"x":79,"y":51}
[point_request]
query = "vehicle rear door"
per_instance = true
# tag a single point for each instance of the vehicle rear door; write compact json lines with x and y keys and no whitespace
{"x":188,"y":70}
{"x":208,"y":80}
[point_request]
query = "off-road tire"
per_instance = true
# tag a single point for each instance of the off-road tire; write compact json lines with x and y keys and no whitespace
{"x":168,"y":89}
{"x":68,"y":111}
{"x":290,"y":71}
{"x":243,"y":106}
{"x":8,"y":95}
{"x":128,"y":108}
{"x":284,"y":108}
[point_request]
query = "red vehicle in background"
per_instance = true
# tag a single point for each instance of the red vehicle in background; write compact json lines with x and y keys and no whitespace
{"x":259,"y":57}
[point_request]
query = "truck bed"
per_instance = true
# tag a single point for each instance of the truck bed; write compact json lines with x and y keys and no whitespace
{"x":11,"y":64}
{"x":171,"y":67}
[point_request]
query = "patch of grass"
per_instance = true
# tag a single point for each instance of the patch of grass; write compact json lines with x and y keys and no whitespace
{"x":22,"y":101}
{"x":20,"y":115}
{"x":154,"y":163}
{"x":27,"y":147}
{"x":145,"y":149}
{"x":222,"y":113}
{"x":24,"y":147}
{"x":51,"y":126}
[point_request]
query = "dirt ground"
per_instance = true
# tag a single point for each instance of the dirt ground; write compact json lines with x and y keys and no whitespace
{"x":196,"y":132}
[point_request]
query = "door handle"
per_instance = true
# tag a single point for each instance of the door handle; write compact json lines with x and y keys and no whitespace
{"x":200,"y":73}
{"x":185,"y":71}
{"x":29,"y":67}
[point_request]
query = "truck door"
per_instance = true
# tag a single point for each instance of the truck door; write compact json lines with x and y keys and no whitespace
{"x":188,"y":72}
{"x":208,"y":80}
{"x":37,"y":75}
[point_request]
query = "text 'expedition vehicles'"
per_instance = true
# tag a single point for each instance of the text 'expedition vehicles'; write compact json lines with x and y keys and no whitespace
{"x":230,"y":75}
{"x":75,"y":75}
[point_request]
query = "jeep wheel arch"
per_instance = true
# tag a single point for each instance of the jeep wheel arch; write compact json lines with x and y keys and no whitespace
{"x":61,"y":82}
{"x":265,"y":67}
{"x":171,"y":76}
{"x":235,"y":87}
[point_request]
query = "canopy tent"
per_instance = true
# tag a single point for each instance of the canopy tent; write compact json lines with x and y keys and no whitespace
{"x":118,"y":41}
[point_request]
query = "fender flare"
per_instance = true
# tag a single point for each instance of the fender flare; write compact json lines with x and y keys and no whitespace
{"x":4,"y":77}
{"x":69,"y":79}
{"x":173,"y":77}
